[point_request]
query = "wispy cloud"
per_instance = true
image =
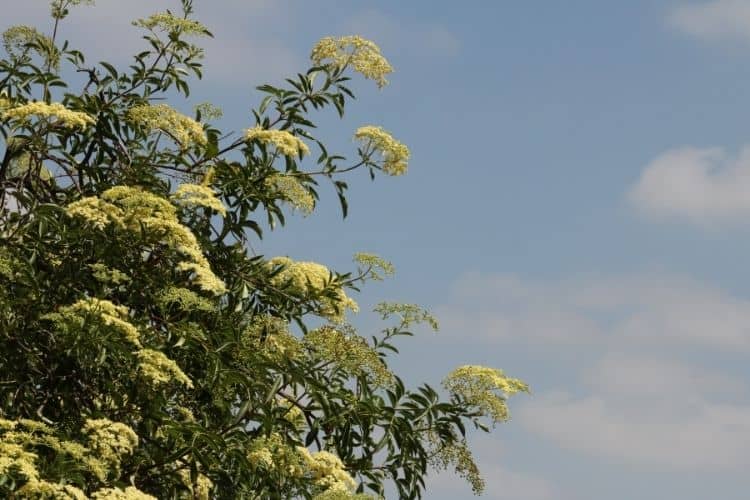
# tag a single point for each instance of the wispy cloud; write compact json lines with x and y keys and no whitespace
{"x":654,"y":310}
{"x":713,"y":20}
{"x":694,"y":184}
{"x":629,"y":392}
{"x":649,"y":411}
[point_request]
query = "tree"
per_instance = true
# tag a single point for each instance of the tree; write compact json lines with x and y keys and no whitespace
{"x":144,"y":350}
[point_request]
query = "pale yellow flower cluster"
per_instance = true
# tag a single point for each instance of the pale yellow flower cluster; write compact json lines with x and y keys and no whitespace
{"x":348,"y":351}
{"x":304,"y":278}
{"x":129,"y":493}
{"x":63,"y":116}
{"x":159,"y":369}
{"x":110,"y":314}
{"x":131,"y":209}
{"x":184,"y":299}
{"x":284,"y":142}
{"x":292,"y":191}
{"x":208,"y":111}
{"x":187,"y":195}
{"x":15,"y":459}
{"x":272,"y":453}
{"x":16,"y":40}
{"x":164,"y":21}
{"x":363,"y":55}
{"x":201,"y":488}
{"x":327,"y":471}
{"x":183,"y":129}
{"x":375,"y":264}
{"x":479,"y":386}
{"x":409,"y":314}
{"x":394,"y":154}
{"x":106,"y":274}
{"x":272,"y":335}
{"x":110,"y":440}
{"x":458,"y":456}
{"x":45,"y":489}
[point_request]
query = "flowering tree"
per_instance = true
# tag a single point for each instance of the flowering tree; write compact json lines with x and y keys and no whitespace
{"x":144,"y":351}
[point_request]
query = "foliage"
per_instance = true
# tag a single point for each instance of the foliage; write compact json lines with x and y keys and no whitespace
{"x":144,"y":350}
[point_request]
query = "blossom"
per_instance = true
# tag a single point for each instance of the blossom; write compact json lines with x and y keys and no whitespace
{"x":17,"y":40}
{"x":195,"y":194}
{"x":64,"y":116}
{"x":129,"y":493}
{"x":285,"y":142}
{"x":394,"y":154}
{"x":109,"y":314}
{"x":305,"y":278}
{"x":159,"y":369}
{"x":327,"y":470}
{"x":363,"y":55}
{"x":132,"y":209}
{"x":111,"y":440}
{"x":375,"y":265}
{"x":46,"y":489}
{"x":289,"y":188}
{"x":479,"y":386}
{"x":165,"y":21}
{"x":106,"y":274}
{"x":183,"y":129}
{"x":348,"y":351}
{"x":410,"y":314}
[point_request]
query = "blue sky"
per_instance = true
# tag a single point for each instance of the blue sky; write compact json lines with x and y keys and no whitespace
{"x":575,"y":212}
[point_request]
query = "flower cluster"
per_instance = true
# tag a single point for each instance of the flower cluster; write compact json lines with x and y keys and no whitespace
{"x":285,"y":142}
{"x":183,"y":129}
{"x":375,"y":265}
{"x":348,"y":351}
{"x":197,"y":195}
{"x":272,"y":336}
{"x":305,"y":278}
{"x":200,"y":488}
{"x":105,"y":274}
{"x":131,"y":209}
{"x":108,"y":443}
{"x":327,"y":471}
{"x":159,"y":369}
{"x":111,"y":440}
{"x":409,"y":314}
{"x":17,"y":40}
{"x":363,"y":55}
{"x":164,"y":21}
{"x":271,"y":453}
{"x":63,"y":116}
{"x":129,"y":493}
{"x":292,"y":191}
{"x":458,"y":456}
{"x":109,"y":314}
{"x":479,"y":387}
{"x":394,"y":155}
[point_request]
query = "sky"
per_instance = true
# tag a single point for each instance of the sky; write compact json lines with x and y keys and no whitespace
{"x":575,"y":212}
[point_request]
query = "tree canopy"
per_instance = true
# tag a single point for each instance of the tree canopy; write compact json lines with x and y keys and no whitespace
{"x":145,"y":350}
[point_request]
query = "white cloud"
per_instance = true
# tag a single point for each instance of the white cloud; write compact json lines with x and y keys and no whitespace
{"x":630,"y":395}
{"x":713,"y":20}
{"x":647,"y":412}
{"x":652,"y":310}
{"x":698,"y":185}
